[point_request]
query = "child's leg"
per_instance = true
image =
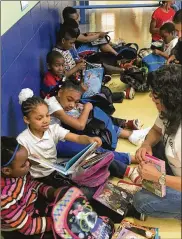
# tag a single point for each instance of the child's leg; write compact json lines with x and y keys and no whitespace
{"x":108,"y":48}
{"x":135,"y":137}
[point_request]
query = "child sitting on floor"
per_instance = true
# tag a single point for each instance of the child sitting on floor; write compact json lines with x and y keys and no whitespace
{"x":41,"y":138}
{"x":20,"y":215}
{"x":65,"y":42}
{"x":167,"y":32}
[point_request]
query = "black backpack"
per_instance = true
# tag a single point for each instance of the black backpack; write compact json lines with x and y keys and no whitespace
{"x":136,"y":77}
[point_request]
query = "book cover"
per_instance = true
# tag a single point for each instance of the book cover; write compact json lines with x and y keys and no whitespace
{"x":93,"y":80}
{"x":114,"y":197}
{"x":67,"y":166}
{"x":99,"y":41}
{"x":156,"y":188}
{"x":128,"y":230}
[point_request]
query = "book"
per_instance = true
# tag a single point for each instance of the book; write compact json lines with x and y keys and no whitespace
{"x":93,"y":80}
{"x":114,"y":197}
{"x":67,"y":166}
{"x":99,"y":41}
{"x":128,"y":230}
{"x":156,"y":188}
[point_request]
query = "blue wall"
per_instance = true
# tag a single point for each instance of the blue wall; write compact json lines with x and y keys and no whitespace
{"x":24,"y":48}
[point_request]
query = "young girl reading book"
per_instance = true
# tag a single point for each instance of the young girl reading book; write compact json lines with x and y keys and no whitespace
{"x":40,"y":138}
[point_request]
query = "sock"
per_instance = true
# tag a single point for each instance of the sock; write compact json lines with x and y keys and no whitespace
{"x":133,"y":175}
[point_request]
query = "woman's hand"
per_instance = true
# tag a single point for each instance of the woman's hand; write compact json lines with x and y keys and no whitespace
{"x":95,"y":140}
{"x":148,"y":171}
{"x":171,"y":59}
{"x":142,"y":151}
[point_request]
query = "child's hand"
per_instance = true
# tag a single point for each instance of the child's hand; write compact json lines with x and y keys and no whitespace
{"x":156,"y":51}
{"x":88,"y":106}
{"x":95,"y":140}
{"x":81,"y":66}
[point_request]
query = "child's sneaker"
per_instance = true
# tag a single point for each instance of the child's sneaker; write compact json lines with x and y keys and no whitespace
{"x":133,"y":175}
{"x":129,"y":93}
{"x":138,"y":136}
{"x":134,"y":124}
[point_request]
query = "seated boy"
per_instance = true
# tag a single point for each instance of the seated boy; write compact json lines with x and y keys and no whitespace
{"x":167,"y":32}
{"x":176,"y":51}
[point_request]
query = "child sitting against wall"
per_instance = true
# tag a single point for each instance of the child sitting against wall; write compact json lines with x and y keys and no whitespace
{"x":167,"y":32}
{"x":20,"y":213}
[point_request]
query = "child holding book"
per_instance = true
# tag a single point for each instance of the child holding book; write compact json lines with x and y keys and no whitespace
{"x":176,"y":55}
{"x":167,"y":32}
{"x":41,"y":138}
{"x":20,"y":214}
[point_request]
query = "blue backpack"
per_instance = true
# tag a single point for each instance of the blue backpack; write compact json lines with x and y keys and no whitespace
{"x":150,"y":60}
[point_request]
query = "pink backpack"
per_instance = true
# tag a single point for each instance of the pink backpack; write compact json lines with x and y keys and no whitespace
{"x":95,"y":172}
{"x":74,"y":218}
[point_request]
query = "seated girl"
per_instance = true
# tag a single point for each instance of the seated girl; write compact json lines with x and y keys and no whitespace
{"x":167,"y":32}
{"x":20,"y":212}
{"x":45,"y":141}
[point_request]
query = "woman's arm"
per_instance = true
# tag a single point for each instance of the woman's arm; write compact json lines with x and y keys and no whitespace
{"x":149,"y":172}
{"x":152,"y":138}
{"x":90,"y":38}
{"x":78,"y":124}
{"x":153,"y":29}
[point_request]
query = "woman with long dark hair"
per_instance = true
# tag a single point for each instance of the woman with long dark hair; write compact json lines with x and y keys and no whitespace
{"x":164,"y":142}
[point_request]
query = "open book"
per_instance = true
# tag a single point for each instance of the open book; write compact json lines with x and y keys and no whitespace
{"x":67,"y":166}
{"x":156,"y":188}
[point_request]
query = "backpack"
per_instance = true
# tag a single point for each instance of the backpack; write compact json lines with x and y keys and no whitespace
{"x":102,"y":100}
{"x":101,"y":125}
{"x":136,"y":77}
{"x":74,"y":218}
{"x":150,"y":60}
{"x":128,"y":51}
{"x":94,"y":172}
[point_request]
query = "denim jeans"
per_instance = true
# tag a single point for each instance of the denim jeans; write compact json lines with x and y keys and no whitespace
{"x":154,"y":206}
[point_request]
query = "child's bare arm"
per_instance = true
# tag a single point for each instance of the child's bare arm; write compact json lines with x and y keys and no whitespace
{"x":78,"y":67}
{"x":78,"y":124}
{"x":160,"y":53}
{"x":83,"y":139}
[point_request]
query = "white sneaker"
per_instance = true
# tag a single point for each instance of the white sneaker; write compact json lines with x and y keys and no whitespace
{"x":138,"y":136}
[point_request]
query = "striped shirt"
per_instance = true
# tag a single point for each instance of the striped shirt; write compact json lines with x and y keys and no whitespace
{"x":69,"y":61}
{"x":18,"y":196}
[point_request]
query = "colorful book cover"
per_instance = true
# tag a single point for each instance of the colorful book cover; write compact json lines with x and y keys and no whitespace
{"x":67,"y":166}
{"x":93,"y":80}
{"x":114,"y":197}
{"x":128,"y":230}
{"x":156,"y":188}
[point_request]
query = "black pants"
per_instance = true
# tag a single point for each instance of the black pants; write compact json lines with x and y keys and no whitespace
{"x":159,"y":152}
